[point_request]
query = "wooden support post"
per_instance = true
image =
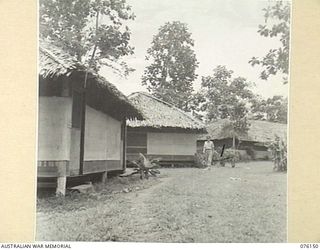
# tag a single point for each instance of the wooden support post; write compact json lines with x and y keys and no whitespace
{"x":61,"y":185}
{"x":82,"y":131}
{"x":233,"y":162}
{"x":124,"y":138}
{"x":61,"y":179}
{"x":104,"y":179}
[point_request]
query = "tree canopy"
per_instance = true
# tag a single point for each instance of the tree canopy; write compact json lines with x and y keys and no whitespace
{"x":277,"y":24}
{"x":171,"y":71}
{"x":273,"y":109}
{"x":223,"y":96}
{"x":89,"y":29}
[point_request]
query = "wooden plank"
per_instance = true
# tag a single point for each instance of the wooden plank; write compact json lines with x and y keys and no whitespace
{"x":104,"y":177}
{"x":101,"y":166}
{"x":136,"y":139}
{"x":83,"y":188}
{"x":52,"y":168}
{"x":136,"y":146}
{"x":47,"y":171}
{"x":124,"y":141}
{"x":114,"y":165}
{"x":94,"y":166}
{"x":44,"y":184}
{"x":179,"y":158}
{"x":165,"y":130}
{"x":83,"y":129}
{"x":128,"y":172}
{"x":132,"y":157}
{"x":136,"y":150}
{"x":164,"y":158}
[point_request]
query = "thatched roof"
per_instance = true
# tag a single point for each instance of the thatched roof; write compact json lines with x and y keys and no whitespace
{"x":259,"y":131}
{"x":160,"y":114}
{"x":53,"y":63}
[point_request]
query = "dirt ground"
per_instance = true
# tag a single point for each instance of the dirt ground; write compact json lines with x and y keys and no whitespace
{"x":242,"y":204}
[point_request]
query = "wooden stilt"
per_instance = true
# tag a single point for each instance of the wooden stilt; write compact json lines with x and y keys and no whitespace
{"x":61,"y":180}
{"x":233,"y":162}
{"x":61,"y":185}
{"x":104,"y":179}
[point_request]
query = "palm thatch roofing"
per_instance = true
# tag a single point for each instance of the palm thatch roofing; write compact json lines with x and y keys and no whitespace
{"x":54,"y":63}
{"x":160,"y":114}
{"x":259,"y":131}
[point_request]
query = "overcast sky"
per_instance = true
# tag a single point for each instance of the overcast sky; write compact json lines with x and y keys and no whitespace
{"x":225,"y":33}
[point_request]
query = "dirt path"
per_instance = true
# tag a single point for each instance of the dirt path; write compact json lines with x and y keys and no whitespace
{"x":119,"y":214}
{"x":143,"y":220}
{"x":245,"y":204}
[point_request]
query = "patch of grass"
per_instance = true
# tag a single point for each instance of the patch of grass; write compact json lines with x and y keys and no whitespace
{"x":242,"y":204}
{"x":102,"y":192}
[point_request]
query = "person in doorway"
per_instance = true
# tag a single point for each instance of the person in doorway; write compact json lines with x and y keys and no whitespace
{"x":208,"y":148}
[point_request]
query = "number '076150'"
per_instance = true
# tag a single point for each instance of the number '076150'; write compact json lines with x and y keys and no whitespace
{"x":309,"y":245}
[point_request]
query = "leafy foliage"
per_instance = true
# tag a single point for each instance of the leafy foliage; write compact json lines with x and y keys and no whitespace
{"x":145,"y":167}
{"x":172,"y":65}
{"x":95,"y":32}
{"x":278,"y":148}
{"x":273,"y":109}
{"x":239,"y":126}
{"x":277,"y":24}
{"x":224,"y":97}
{"x":250,"y":154}
{"x":231,"y":155}
{"x":228,"y":156}
{"x":200,"y":159}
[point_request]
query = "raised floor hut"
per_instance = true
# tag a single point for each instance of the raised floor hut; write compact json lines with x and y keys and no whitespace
{"x":166,"y":131}
{"x":253,"y":144}
{"x":81,"y":128}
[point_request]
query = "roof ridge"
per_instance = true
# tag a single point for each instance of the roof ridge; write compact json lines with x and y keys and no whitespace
{"x":250,"y":120}
{"x":259,"y":130}
{"x":53,"y":57}
{"x":50,"y":53}
{"x":56,"y":61}
{"x":168,"y":104}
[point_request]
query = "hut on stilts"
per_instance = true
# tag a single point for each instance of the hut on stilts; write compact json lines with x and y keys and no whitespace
{"x":166,"y":132}
{"x":81,"y":129}
{"x":252,"y":145}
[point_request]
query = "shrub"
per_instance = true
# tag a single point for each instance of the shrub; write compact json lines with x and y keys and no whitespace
{"x":250,"y":151}
{"x":146,"y":167}
{"x":199,"y":160}
{"x":228,"y":156}
{"x":231,"y":154}
{"x":266,"y":158}
{"x":278,"y":148}
{"x":245,"y":157}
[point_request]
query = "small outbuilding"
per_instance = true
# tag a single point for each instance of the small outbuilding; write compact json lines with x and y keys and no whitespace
{"x":81,"y":129}
{"x":166,"y":131}
{"x":253,"y":144}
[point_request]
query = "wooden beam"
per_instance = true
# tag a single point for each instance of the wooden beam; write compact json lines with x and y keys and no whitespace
{"x":124,"y":151}
{"x":82,"y":131}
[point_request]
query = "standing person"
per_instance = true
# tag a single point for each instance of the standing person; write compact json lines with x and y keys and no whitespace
{"x":208,"y":148}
